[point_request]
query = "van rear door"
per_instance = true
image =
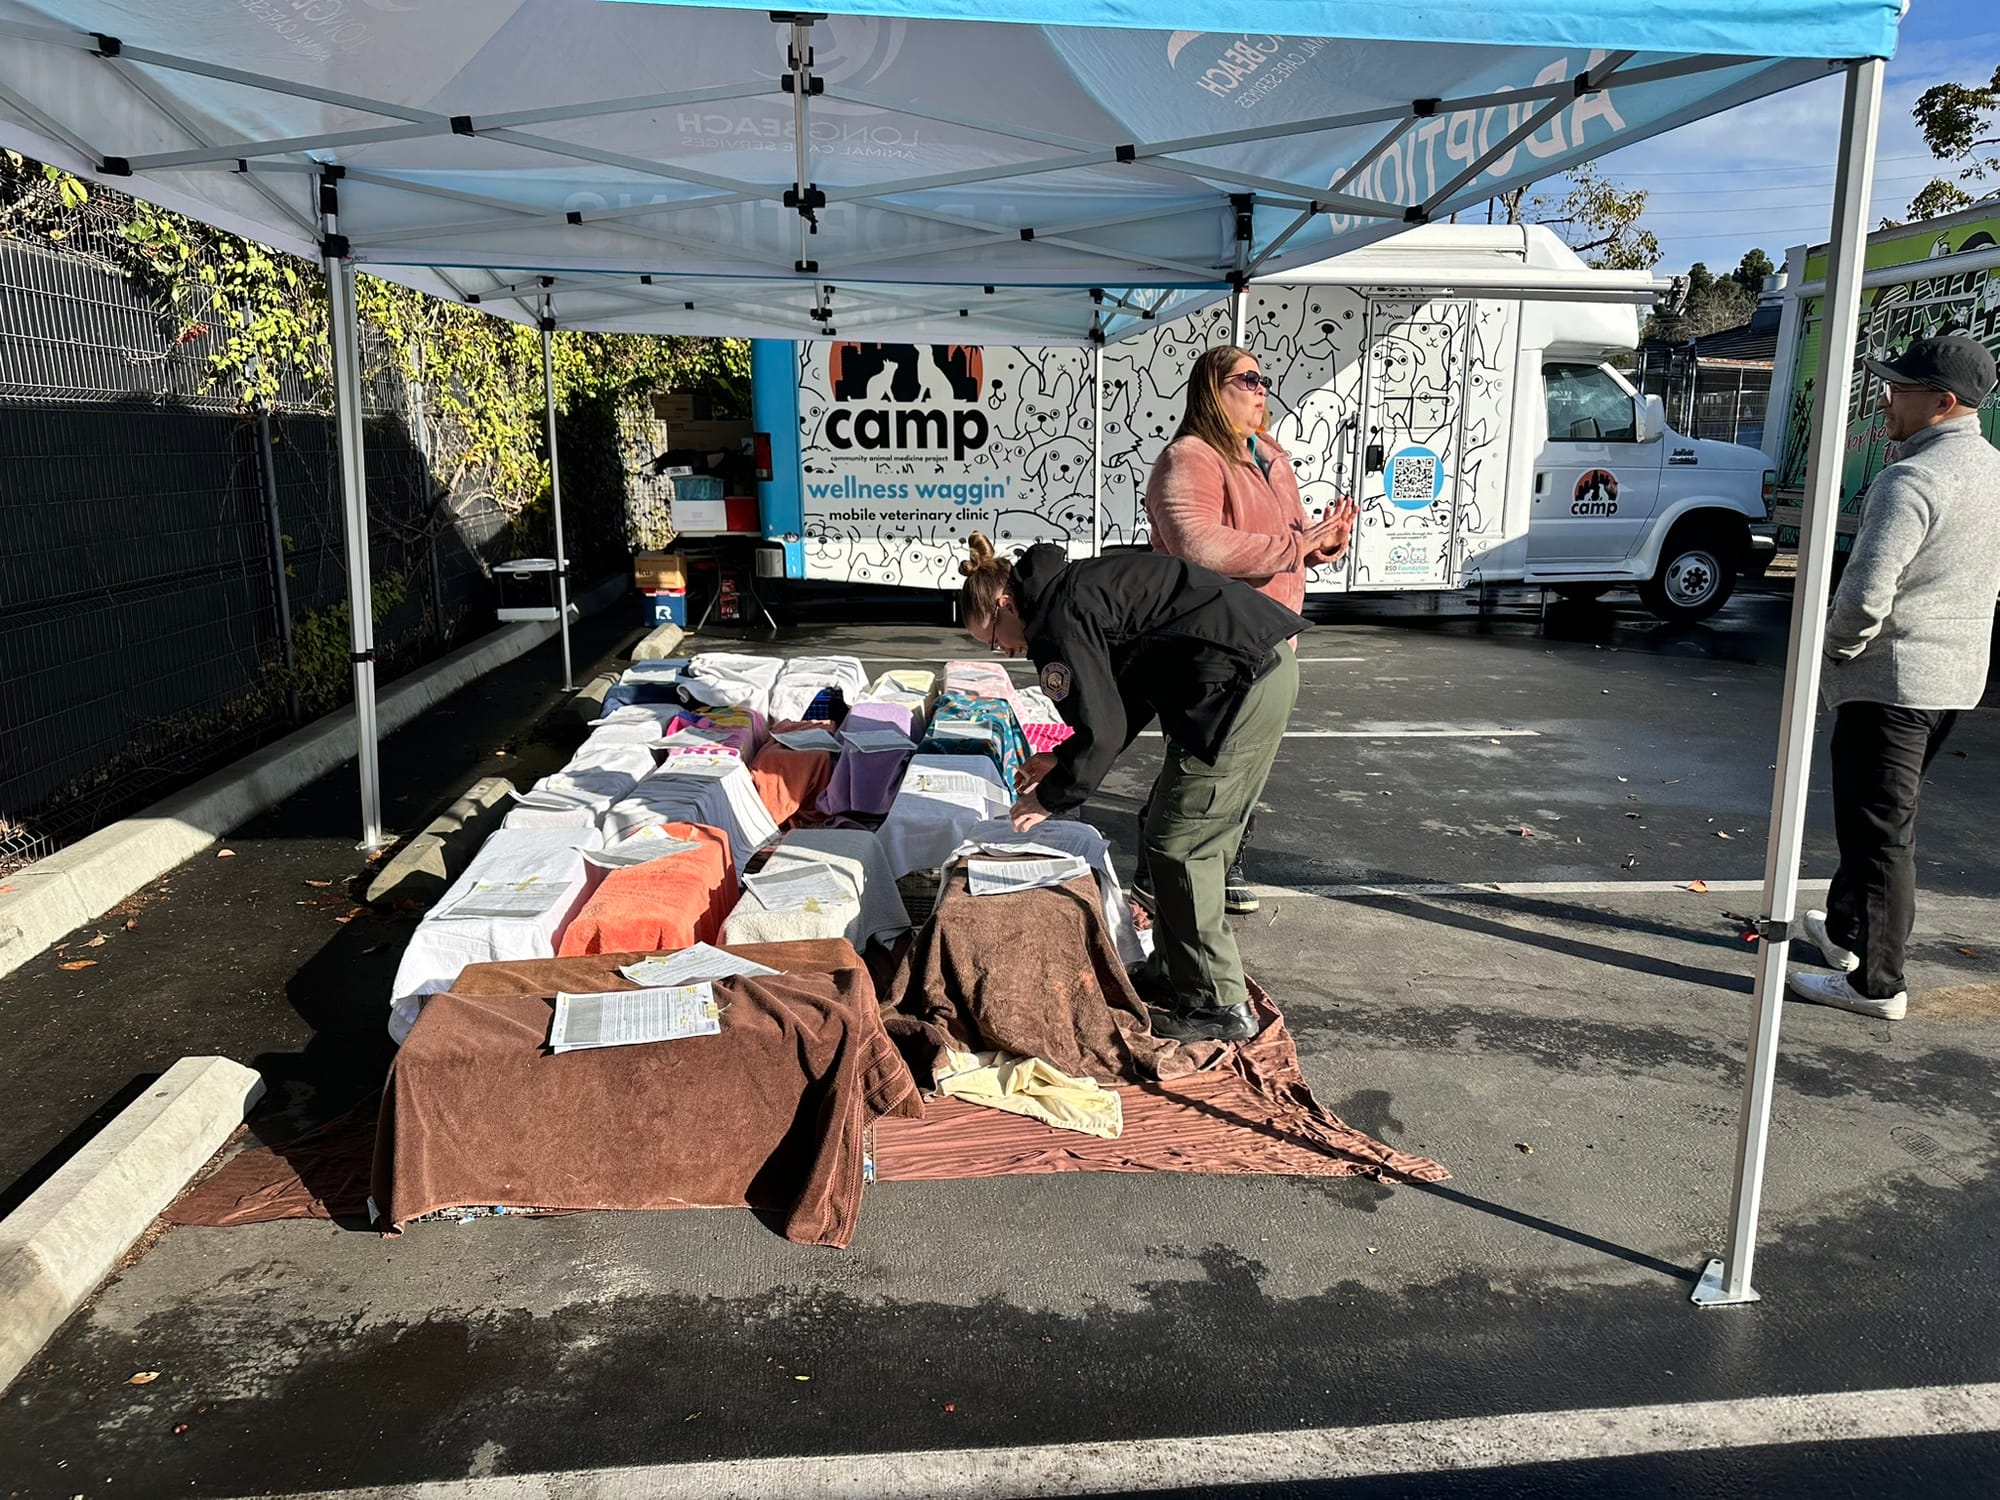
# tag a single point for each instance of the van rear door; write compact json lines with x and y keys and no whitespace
{"x":1596,"y":485}
{"x":1412,"y":442}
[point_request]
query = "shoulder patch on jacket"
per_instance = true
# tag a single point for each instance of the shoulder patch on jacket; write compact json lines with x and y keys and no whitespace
{"x":1056,"y":678}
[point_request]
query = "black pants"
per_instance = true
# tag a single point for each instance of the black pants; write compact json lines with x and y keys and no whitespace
{"x":1880,"y":754}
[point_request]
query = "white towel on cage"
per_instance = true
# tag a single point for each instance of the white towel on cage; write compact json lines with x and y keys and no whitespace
{"x":541,"y":871}
{"x":687,"y":790}
{"x":875,"y":914}
{"x":733,"y":679}
{"x":941,"y":797}
{"x":804,"y":678}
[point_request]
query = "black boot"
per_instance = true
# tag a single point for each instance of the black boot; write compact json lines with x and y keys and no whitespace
{"x":1237,"y":897}
{"x":1216,"y":1024}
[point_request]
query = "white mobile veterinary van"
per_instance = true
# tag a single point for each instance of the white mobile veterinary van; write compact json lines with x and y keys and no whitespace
{"x":1453,"y":379}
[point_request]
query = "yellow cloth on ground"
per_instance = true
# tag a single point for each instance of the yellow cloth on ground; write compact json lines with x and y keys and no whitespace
{"x":1028,"y":1086}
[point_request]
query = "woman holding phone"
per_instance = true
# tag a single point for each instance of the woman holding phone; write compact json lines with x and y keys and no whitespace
{"x":1224,"y":497}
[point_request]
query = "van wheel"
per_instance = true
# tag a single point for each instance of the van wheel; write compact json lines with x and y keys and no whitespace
{"x":1697,"y":575}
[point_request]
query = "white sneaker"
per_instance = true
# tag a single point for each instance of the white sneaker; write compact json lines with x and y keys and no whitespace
{"x":1813,"y":925}
{"x":1834,"y":990}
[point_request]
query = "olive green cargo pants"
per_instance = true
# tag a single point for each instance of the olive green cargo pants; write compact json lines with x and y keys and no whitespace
{"x":1192,"y":831}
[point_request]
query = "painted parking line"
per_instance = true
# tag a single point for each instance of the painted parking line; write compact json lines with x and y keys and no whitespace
{"x":1024,"y":665}
{"x":1395,"y":734}
{"x":1453,"y":1445}
{"x":1340,"y":891}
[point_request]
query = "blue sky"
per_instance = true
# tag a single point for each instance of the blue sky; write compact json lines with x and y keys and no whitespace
{"x":1762,"y":175}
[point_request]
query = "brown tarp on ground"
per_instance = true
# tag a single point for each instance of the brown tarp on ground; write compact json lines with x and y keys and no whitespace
{"x":1251,"y":1112}
{"x":1248,"y":1111}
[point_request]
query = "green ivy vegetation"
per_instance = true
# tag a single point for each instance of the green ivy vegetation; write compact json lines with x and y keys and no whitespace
{"x":262,"y":316}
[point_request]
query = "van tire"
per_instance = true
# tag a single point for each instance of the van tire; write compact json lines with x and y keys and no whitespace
{"x":1697,"y":573}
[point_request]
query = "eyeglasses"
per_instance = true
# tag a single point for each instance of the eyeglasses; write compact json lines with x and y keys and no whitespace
{"x":992,"y":636}
{"x":1249,"y":380}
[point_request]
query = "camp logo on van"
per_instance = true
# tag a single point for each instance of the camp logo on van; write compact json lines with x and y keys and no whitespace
{"x":1596,"y":494}
{"x":909,"y":398}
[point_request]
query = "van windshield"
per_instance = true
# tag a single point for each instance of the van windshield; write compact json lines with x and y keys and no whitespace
{"x":1587,"y":406}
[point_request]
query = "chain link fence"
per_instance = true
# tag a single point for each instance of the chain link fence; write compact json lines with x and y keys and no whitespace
{"x":173,"y":579}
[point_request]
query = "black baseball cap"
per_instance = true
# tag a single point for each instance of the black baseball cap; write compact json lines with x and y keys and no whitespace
{"x":1950,"y":362}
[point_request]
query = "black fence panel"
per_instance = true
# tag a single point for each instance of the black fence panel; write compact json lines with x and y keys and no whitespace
{"x":149,"y":606}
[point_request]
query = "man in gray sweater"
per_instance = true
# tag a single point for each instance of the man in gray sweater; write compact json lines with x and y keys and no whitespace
{"x":1907,"y":643}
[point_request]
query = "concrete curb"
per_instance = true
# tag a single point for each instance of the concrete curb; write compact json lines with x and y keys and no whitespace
{"x":425,"y":867}
{"x":76,"y":885}
{"x":56,"y":1247}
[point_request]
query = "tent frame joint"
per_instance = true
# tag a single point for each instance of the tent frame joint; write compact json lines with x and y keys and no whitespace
{"x":107,"y":46}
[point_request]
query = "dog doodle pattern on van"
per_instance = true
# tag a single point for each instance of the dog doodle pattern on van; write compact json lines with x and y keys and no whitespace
{"x":1036,"y":452}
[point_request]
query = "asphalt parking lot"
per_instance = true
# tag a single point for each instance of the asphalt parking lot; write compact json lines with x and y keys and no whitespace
{"x":1473,"y":874}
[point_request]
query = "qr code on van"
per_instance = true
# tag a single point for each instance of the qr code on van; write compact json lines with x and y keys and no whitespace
{"x":1415,"y":478}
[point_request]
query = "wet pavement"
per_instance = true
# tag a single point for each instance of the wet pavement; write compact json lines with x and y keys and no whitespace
{"x":1572,"y":1052}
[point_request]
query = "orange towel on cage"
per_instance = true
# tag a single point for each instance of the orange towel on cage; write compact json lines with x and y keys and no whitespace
{"x":789,"y":781}
{"x":662,"y":905}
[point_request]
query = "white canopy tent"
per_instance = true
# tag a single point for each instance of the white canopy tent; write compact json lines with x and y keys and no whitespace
{"x":1020,"y":171}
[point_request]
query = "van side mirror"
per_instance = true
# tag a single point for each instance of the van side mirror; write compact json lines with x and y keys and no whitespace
{"x":1651,"y":419}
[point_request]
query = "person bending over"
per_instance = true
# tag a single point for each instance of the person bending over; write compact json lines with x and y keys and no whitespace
{"x":1119,"y":642}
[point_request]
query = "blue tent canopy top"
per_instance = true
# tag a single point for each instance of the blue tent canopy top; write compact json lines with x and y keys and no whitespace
{"x":723,"y":169}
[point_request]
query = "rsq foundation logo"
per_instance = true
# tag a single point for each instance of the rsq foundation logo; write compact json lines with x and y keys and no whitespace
{"x":907,"y":398}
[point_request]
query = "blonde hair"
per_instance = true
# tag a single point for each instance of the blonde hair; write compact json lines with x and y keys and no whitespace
{"x":987,"y":576}
{"x":1204,"y":417}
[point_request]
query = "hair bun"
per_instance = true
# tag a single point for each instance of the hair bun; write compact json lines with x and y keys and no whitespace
{"x":982,"y":558}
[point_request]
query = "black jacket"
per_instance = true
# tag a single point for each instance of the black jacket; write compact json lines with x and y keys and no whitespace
{"x":1121,"y":640}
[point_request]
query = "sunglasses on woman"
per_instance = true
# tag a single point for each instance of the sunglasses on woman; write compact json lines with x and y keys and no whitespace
{"x":1249,"y":380}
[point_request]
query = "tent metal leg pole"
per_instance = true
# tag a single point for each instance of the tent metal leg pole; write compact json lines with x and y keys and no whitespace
{"x":555,"y":490}
{"x":1726,"y":1280}
{"x":1238,"y":298}
{"x":344,"y":333}
{"x":1097,"y":450}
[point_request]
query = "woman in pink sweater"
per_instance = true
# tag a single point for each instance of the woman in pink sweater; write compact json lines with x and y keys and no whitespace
{"x":1224,"y":496}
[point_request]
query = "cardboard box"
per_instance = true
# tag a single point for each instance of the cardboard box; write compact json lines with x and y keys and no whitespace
{"x":708,"y":437}
{"x":733,"y":516}
{"x":659,"y":570}
{"x":680,"y":406}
